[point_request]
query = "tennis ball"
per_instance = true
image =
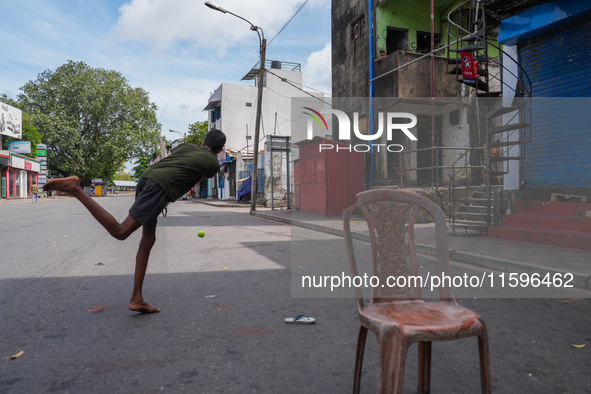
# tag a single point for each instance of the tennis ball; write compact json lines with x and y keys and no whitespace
{"x":201,"y":234}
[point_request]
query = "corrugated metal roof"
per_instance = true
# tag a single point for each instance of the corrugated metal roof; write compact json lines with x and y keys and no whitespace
{"x":125,"y":183}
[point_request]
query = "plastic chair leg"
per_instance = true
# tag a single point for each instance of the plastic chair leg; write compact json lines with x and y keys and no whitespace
{"x":485,"y":380}
{"x":424,"y":384}
{"x":359,"y":359}
{"x":391,"y":367}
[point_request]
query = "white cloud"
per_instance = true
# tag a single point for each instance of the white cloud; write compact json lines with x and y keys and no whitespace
{"x":317,"y":70}
{"x":220,"y":47}
{"x":160,"y":23}
{"x":177,"y":50}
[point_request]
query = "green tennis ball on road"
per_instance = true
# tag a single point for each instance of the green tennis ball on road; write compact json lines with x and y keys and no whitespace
{"x":201,"y":234}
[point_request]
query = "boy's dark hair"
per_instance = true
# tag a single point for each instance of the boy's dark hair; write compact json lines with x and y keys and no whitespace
{"x":215,"y":139}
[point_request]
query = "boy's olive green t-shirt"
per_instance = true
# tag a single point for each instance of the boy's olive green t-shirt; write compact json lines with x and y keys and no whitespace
{"x":180,"y":171}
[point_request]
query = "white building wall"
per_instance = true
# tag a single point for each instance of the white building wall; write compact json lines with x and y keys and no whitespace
{"x":237,"y":118}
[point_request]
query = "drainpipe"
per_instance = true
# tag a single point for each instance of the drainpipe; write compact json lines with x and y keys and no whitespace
{"x":370,"y":30}
{"x":433,"y":164}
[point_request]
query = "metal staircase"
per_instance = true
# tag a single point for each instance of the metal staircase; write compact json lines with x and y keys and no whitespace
{"x":506,"y":121}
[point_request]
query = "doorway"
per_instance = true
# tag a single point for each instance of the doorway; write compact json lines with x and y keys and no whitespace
{"x":396,"y":40}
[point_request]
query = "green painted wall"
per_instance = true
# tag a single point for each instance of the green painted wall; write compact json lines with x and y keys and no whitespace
{"x":414,"y":16}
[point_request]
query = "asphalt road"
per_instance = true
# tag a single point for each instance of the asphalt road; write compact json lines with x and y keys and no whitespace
{"x":65,"y":285}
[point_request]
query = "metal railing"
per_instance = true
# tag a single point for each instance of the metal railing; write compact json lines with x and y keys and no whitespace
{"x":473,"y":14}
{"x":437,"y":179}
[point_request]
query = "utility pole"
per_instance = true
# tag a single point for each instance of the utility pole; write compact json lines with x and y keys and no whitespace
{"x":247,"y":138}
{"x":257,"y":128}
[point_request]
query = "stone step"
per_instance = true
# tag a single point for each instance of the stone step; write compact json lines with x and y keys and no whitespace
{"x":473,"y":225}
{"x":565,"y":239}
{"x":548,"y":222}
{"x":551,"y":208}
{"x":473,"y":208}
{"x":471,"y":216}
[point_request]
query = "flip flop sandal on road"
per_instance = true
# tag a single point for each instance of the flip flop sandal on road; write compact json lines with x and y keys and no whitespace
{"x":301,"y":319}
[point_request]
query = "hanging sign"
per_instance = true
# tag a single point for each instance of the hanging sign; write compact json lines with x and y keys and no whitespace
{"x":469,"y":68}
{"x":19,"y":146}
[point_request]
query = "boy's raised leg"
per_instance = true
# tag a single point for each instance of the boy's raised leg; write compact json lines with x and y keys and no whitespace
{"x":71,"y":185}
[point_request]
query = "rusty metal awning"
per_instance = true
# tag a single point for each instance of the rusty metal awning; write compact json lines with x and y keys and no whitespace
{"x":253,"y":73}
{"x":272,"y":64}
{"x":211,"y":105}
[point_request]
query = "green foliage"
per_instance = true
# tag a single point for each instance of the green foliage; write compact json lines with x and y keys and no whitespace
{"x":91,"y":119}
{"x":122,"y":176}
{"x":141,"y":165}
{"x":197,"y":132}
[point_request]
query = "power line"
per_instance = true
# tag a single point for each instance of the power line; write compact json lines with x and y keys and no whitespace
{"x":287,"y":80}
{"x":319,"y":91}
{"x":295,"y":86}
{"x":279,"y":32}
{"x":287,"y":23}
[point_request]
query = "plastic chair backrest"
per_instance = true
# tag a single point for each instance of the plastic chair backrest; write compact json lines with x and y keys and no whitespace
{"x":390,"y":216}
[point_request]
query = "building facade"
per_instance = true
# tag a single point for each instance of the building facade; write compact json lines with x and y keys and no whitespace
{"x":517,"y":133}
{"x":232,"y":109}
{"x":18,"y":173}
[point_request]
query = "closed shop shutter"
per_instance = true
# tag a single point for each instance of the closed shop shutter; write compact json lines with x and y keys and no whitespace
{"x":558,"y":64}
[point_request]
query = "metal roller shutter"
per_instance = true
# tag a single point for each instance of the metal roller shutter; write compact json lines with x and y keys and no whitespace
{"x":558,"y":64}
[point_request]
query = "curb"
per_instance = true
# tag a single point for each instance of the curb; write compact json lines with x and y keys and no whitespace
{"x":271,"y":217}
{"x":220,"y":204}
{"x":28,"y":199}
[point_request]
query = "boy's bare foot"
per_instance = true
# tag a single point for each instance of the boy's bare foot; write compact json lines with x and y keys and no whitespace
{"x":68,"y":185}
{"x":142,"y":307}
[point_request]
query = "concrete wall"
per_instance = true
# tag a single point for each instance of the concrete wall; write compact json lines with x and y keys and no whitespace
{"x":276,"y":186}
{"x":350,"y":62}
{"x":413,"y":80}
{"x":236,"y":117}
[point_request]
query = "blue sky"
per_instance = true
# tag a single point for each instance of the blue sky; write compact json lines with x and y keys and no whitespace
{"x":179,"y":51}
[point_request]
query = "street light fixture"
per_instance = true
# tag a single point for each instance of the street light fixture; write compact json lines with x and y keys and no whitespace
{"x":216,"y":7}
{"x":183,"y":135}
{"x":257,"y":128}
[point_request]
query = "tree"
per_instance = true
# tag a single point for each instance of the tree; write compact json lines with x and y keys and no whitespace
{"x":197,"y":132}
{"x":141,"y":165}
{"x":122,"y":176}
{"x":91,"y":119}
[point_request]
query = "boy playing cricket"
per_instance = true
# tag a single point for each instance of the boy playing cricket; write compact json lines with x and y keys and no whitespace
{"x":163,"y":182}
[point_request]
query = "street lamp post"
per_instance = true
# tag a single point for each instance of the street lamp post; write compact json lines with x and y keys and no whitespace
{"x":257,"y":128}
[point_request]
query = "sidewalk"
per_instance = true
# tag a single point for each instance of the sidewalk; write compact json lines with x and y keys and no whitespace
{"x":481,"y":251}
{"x":42,"y":198}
